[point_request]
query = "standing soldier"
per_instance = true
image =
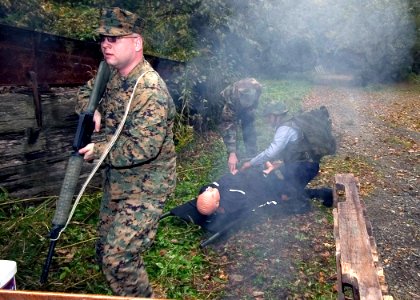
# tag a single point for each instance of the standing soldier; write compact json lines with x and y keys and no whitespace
{"x":139,"y":170}
{"x":241,"y":101}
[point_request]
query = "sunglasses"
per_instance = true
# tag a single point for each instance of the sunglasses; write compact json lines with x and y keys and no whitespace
{"x":113,"y":39}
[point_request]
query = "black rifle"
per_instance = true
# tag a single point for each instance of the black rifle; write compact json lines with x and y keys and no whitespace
{"x":83,"y":137}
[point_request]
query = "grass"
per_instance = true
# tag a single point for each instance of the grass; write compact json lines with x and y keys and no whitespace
{"x":175,"y":263}
{"x":177,"y":267}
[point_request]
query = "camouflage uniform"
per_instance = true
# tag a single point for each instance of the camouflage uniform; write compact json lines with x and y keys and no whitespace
{"x":139,"y":174}
{"x":241,"y":101}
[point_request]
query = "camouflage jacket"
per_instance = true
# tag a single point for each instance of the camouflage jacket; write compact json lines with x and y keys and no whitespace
{"x":147,"y":138}
{"x":235,"y":106}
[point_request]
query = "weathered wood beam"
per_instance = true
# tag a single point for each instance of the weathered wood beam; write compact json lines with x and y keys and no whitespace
{"x":31,"y":295}
{"x":34,"y":159}
{"x":358,"y":267}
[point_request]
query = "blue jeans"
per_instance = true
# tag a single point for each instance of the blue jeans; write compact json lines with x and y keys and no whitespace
{"x":299,"y":174}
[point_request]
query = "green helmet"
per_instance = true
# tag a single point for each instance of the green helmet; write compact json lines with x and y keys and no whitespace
{"x":247,"y":91}
{"x":115,"y":21}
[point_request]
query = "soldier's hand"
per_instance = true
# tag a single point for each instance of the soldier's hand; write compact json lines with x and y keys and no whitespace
{"x":97,"y":120}
{"x":245,"y":166}
{"x":269,"y":167}
{"x":232,"y":162}
{"x":87,"y":152}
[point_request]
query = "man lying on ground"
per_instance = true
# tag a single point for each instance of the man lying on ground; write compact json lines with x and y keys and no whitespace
{"x":253,"y":188}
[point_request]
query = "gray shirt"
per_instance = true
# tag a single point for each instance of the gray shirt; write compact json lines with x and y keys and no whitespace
{"x":284,"y":135}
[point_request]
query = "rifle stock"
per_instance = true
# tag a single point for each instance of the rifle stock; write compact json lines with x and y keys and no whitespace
{"x":74,"y":166}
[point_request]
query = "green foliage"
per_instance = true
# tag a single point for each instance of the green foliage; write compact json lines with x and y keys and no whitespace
{"x":372,"y":40}
{"x":199,"y":87}
{"x":23,"y":236}
{"x":78,"y":22}
{"x":168,"y":34}
{"x":184,"y":133}
{"x":29,"y":14}
{"x":223,"y":41}
{"x":414,"y":78}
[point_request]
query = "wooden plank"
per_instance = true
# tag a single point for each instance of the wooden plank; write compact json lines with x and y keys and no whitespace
{"x":356,"y":254}
{"x":34,"y":159}
{"x":337,"y":252}
{"x":31,"y":295}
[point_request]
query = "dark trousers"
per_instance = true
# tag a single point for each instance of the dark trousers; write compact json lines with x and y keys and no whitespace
{"x":298,"y":174}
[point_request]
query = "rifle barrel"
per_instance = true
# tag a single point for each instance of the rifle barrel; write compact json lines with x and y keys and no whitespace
{"x":73,"y":169}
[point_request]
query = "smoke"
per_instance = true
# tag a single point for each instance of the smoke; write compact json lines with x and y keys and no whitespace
{"x":371,"y":39}
{"x":366,"y":41}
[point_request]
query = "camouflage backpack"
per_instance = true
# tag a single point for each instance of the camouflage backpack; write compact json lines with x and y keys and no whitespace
{"x":317,"y":133}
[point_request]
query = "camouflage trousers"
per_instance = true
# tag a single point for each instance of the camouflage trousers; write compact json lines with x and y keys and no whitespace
{"x":130,"y":210}
{"x":249,"y":133}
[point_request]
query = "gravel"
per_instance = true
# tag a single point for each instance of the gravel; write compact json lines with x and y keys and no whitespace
{"x":379,"y":126}
{"x":383,"y":127}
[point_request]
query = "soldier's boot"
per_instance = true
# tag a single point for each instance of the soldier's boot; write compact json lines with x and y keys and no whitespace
{"x":324,"y":194}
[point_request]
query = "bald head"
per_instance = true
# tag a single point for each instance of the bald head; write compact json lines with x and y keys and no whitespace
{"x":208,"y":201}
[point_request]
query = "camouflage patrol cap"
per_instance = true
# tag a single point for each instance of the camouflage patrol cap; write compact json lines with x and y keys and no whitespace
{"x":115,"y":21}
{"x":248,"y":91}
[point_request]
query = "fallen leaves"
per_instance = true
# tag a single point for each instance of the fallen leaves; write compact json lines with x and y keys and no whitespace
{"x":295,"y":255}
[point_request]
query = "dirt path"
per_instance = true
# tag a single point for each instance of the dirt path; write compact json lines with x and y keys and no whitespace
{"x":383,"y":128}
{"x":286,"y":256}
